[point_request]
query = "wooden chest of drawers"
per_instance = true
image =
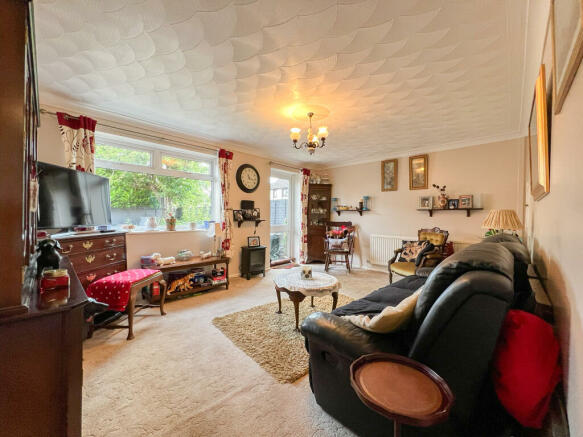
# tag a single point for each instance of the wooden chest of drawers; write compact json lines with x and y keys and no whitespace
{"x":95,"y":255}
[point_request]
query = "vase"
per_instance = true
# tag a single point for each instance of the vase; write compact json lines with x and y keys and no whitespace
{"x":442,"y":199}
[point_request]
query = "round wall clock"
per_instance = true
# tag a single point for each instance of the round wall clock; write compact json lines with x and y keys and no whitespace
{"x":247,"y":178}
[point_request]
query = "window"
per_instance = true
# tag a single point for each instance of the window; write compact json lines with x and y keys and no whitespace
{"x":147,"y":180}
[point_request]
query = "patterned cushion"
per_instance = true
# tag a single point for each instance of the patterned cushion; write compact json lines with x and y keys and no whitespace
{"x":114,"y":290}
{"x":412,"y":249}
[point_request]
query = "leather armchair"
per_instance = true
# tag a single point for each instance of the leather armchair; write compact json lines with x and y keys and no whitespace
{"x":435,"y":236}
{"x":454,"y":331}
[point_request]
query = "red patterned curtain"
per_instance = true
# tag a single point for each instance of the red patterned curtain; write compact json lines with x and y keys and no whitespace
{"x":305,"y":183}
{"x":78,"y":135}
{"x":225,"y":165}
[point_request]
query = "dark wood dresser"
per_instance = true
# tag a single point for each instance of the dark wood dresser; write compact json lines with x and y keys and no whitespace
{"x":318,"y":215}
{"x":40,"y":341}
{"x":95,"y":255}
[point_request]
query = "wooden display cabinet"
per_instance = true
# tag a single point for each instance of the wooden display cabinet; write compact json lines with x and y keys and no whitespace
{"x":319,"y":203}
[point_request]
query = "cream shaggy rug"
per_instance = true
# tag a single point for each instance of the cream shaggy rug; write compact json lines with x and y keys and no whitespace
{"x":271,"y":339}
{"x":181,"y":377}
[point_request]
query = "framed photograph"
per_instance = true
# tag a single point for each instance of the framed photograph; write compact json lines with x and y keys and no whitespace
{"x":238,"y":215}
{"x":466,"y":201}
{"x":256,"y":213}
{"x":567,"y":30}
{"x":418,"y":172}
{"x":248,"y":214}
{"x":425,"y":202}
{"x":453,"y":204}
{"x":538,"y":140}
{"x":389,"y":175}
{"x":253,"y":241}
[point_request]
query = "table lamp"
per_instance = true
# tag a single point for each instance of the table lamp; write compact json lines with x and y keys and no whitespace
{"x":499,"y":220}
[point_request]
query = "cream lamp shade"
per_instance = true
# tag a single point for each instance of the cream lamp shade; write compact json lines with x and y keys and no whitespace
{"x":505,"y":219}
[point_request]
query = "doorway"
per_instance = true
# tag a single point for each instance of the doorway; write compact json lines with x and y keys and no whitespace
{"x":281,"y":195}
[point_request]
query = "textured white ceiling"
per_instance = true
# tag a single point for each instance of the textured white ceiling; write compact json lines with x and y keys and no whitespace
{"x":397,"y":76}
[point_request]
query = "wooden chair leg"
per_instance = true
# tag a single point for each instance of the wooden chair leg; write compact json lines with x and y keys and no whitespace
{"x":390,"y":275}
{"x":130,"y":309}
{"x":162,"y":296}
{"x":327,"y":261}
{"x":347,"y":262}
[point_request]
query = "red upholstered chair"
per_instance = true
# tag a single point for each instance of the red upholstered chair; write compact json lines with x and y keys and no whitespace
{"x":119,"y":291}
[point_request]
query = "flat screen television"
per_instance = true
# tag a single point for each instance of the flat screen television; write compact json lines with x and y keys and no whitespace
{"x":70,"y":198}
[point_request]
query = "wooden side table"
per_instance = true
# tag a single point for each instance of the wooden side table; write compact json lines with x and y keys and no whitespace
{"x":401,"y":389}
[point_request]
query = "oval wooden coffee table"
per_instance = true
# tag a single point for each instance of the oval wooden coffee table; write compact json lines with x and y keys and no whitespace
{"x":298,"y":288}
{"x":401,"y":389}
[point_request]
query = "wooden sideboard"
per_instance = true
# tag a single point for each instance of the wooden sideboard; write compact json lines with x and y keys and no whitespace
{"x":95,"y":255}
{"x":318,"y":215}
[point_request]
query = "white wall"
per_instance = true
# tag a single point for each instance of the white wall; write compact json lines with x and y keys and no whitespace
{"x":494,"y":170}
{"x":556,"y":219}
{"x":50,"y":149}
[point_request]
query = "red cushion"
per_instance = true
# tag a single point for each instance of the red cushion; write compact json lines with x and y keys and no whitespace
{"x":526,"y":367}
{"x":114,"y":290}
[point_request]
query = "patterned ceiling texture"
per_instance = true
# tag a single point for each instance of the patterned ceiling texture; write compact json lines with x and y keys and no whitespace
{"x":397,"y":77}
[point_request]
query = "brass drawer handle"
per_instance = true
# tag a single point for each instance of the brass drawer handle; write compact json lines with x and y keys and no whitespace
{"x":90,"y":258}
{"x":91,"y":277}
{"x":67,"y":251}
{"x":111,"y":273}
{"x":88,"y":244}
{"x":111,"y":256}
{"x":111,"y":242}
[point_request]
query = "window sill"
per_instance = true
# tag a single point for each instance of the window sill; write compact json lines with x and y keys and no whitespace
{"x":163,"y":231}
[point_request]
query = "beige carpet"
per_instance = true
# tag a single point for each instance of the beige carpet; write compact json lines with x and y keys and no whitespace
{"x":271,"y":339}
{"x":181,"y":376}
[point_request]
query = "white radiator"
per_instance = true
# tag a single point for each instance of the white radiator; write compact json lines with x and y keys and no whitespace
{"x":382,"y":248}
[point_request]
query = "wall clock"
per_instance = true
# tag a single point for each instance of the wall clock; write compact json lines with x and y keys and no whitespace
{"x":247,"y":178}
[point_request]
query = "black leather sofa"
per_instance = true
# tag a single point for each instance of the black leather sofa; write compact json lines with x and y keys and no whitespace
{"x":454,"y":331}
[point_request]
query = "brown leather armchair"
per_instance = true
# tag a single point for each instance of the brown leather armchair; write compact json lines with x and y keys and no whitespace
{"x":435,"y":236}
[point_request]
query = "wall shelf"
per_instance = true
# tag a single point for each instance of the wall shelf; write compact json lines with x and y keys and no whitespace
{"x":257,"y":221}
{"x":360,"y":211}
{"x":467,"y":210}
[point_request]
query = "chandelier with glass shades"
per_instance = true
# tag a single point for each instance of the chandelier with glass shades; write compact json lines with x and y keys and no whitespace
{"x":311,"y":143}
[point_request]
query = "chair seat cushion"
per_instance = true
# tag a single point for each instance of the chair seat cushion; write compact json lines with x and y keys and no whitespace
{"x":114,"y":290}
{"x":403,"y":268}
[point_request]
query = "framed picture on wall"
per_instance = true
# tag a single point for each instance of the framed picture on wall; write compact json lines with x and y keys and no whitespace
{"x":253,"y":241}
{"x":389,"y":175}
{"x":567,"y":28}
{"x":538,"y":140}
{"x":418,"y":172}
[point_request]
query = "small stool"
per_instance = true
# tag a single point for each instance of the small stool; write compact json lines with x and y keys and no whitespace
{"x":120,"y":290}
{"x":401,"y":389}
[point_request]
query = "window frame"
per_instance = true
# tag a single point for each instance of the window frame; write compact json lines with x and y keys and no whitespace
{"x":156,"y":151}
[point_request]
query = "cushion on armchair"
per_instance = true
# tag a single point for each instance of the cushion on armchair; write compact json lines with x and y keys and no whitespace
{"x":435,"y":238}
{"x":413,"y":251}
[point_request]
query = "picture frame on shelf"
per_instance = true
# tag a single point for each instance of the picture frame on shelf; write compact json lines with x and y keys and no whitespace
{"x":253,"y":241}
{"x":390,"y":175}
{"x":538,"y":139}
{"x":566,"y":33}
{"x":466,"y":201}
{"x":425,"y":202}
{"x":418,"y":172}
{"x":238,"y":215}
{"x":453,"y":204}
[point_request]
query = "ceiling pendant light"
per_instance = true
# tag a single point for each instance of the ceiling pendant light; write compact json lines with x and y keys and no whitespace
{"x":313,"y":141}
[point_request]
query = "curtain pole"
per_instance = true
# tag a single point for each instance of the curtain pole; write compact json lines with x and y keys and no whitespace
{"x":214,"y":149}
